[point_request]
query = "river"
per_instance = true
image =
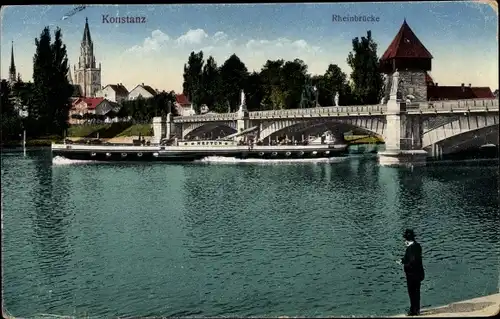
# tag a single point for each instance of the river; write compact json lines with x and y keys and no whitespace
{"x":241,"y":239}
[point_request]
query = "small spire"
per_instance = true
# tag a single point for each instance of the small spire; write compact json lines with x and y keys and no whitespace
{"x":12,"y":69}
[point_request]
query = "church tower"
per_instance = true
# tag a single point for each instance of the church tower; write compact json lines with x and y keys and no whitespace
{"x":407,"y":55}
{"x":12,"y":68}
{"x":87,"y":76}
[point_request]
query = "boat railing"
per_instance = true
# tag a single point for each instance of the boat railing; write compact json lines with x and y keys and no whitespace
{"x":105,"y":144}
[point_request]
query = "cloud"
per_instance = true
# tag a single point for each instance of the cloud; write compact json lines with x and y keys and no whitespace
{"x":193,"y":37}
{"x":173,"y":51}
{"x":220,"y":36}
{"x":152,"y":43}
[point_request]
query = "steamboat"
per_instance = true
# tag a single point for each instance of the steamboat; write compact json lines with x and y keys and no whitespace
{"x":175,"y":150}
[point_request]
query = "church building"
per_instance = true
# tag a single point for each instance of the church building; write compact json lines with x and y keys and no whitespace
{"x":87,"y":76}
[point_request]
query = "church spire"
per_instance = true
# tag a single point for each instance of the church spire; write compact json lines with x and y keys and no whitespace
{"x":87,"y":59}
{"x":12,"y":68}
{"x":86,"y":33}
{"x":86,"y":75}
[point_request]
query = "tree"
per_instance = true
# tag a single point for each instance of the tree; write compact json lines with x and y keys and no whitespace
{"x":333,"y":81}
{"x":10,"y":121}
{"x":123,"y":113}
{"x":193,"y":79}
{"x":254,"y":92}
{"x":367,"y":80}
{"x":143,"y":110}
{"x":62,"y":89}
{"x":49,"y":110}
{"x":294,"y":75}
{"x":271,"y":81}
{"x":211,"y":85}
{"x":38,"y":111}
{"x":233,"y":74}
{"x":163,"y":103}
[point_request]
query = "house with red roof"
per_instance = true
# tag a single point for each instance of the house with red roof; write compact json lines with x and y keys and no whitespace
{"x":90,"y":105}
{"x":183,"y":105}
{"x":407,"y":55}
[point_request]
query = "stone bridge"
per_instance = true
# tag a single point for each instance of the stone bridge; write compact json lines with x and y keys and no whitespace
{"x":436,"y":127}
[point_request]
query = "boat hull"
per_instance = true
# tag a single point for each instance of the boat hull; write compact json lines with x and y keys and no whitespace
{"x":166,"y":154}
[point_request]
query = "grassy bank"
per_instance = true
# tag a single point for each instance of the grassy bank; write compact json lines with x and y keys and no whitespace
{"x":363,"y":139}
{"x":110,"y":130}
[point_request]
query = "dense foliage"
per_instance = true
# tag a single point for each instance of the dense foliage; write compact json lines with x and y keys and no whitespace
{"x":283,"y":84}
{"x":143,"y":110}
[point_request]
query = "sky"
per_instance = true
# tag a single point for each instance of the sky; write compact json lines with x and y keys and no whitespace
{"x":461,"y":36}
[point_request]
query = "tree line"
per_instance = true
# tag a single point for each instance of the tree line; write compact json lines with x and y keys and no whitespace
{"x":283,"y":84}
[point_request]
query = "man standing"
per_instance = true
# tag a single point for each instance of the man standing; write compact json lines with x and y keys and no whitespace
{"x":414,"y":270}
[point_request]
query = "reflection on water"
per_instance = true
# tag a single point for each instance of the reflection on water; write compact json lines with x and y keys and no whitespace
{"x":241,"y":240}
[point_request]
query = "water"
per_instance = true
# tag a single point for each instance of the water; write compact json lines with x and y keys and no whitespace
{"x":241,"y":239}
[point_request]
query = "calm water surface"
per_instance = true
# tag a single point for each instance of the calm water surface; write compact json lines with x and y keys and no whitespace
{"x":107,"y":240}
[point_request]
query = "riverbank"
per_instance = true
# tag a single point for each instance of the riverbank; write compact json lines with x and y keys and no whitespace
{"x":111,"y":130}
{"x":42,"y":141}
{"x":478,"y":307}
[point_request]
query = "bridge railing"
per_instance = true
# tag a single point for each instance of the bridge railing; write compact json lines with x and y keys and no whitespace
{"x":207,"y":117}
{"x":461,"y":104}
{"x":318,"y":111}
{"x":446,"y":105}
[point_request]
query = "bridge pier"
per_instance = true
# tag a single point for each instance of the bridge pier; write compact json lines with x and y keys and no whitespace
{"x":170,"y":127}
{"x":243,"y":118}
{"x":436,"y":151}
{"x":403,"y":138}
{"x":159,"y":129}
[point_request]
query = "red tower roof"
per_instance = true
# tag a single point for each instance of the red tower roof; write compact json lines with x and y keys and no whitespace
{"x":406,"y":45}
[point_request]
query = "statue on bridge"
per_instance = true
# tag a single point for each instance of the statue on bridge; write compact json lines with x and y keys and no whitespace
{"x":242,"y":98}
{"x":336,"y":99}
{"x":243,"y":106}
{"x":395,"y":86}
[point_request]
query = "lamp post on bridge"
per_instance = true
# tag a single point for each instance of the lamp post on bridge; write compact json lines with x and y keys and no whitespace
{"x":316,"y":96}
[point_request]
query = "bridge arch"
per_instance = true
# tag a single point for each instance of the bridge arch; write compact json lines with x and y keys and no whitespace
{"x":467,"y":141}
{"x":458,"y":128}
{"x":200,"y":128}
{"x":372,"y":126}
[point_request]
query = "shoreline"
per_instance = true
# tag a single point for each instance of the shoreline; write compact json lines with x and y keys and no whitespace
{"x":485,"y":306}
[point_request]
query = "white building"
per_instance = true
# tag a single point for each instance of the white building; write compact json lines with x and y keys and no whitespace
{"x":113,"y":92}
{"x":142,"y":90}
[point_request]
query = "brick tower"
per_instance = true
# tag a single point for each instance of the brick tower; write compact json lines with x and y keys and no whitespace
{"x":412,"y":60}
